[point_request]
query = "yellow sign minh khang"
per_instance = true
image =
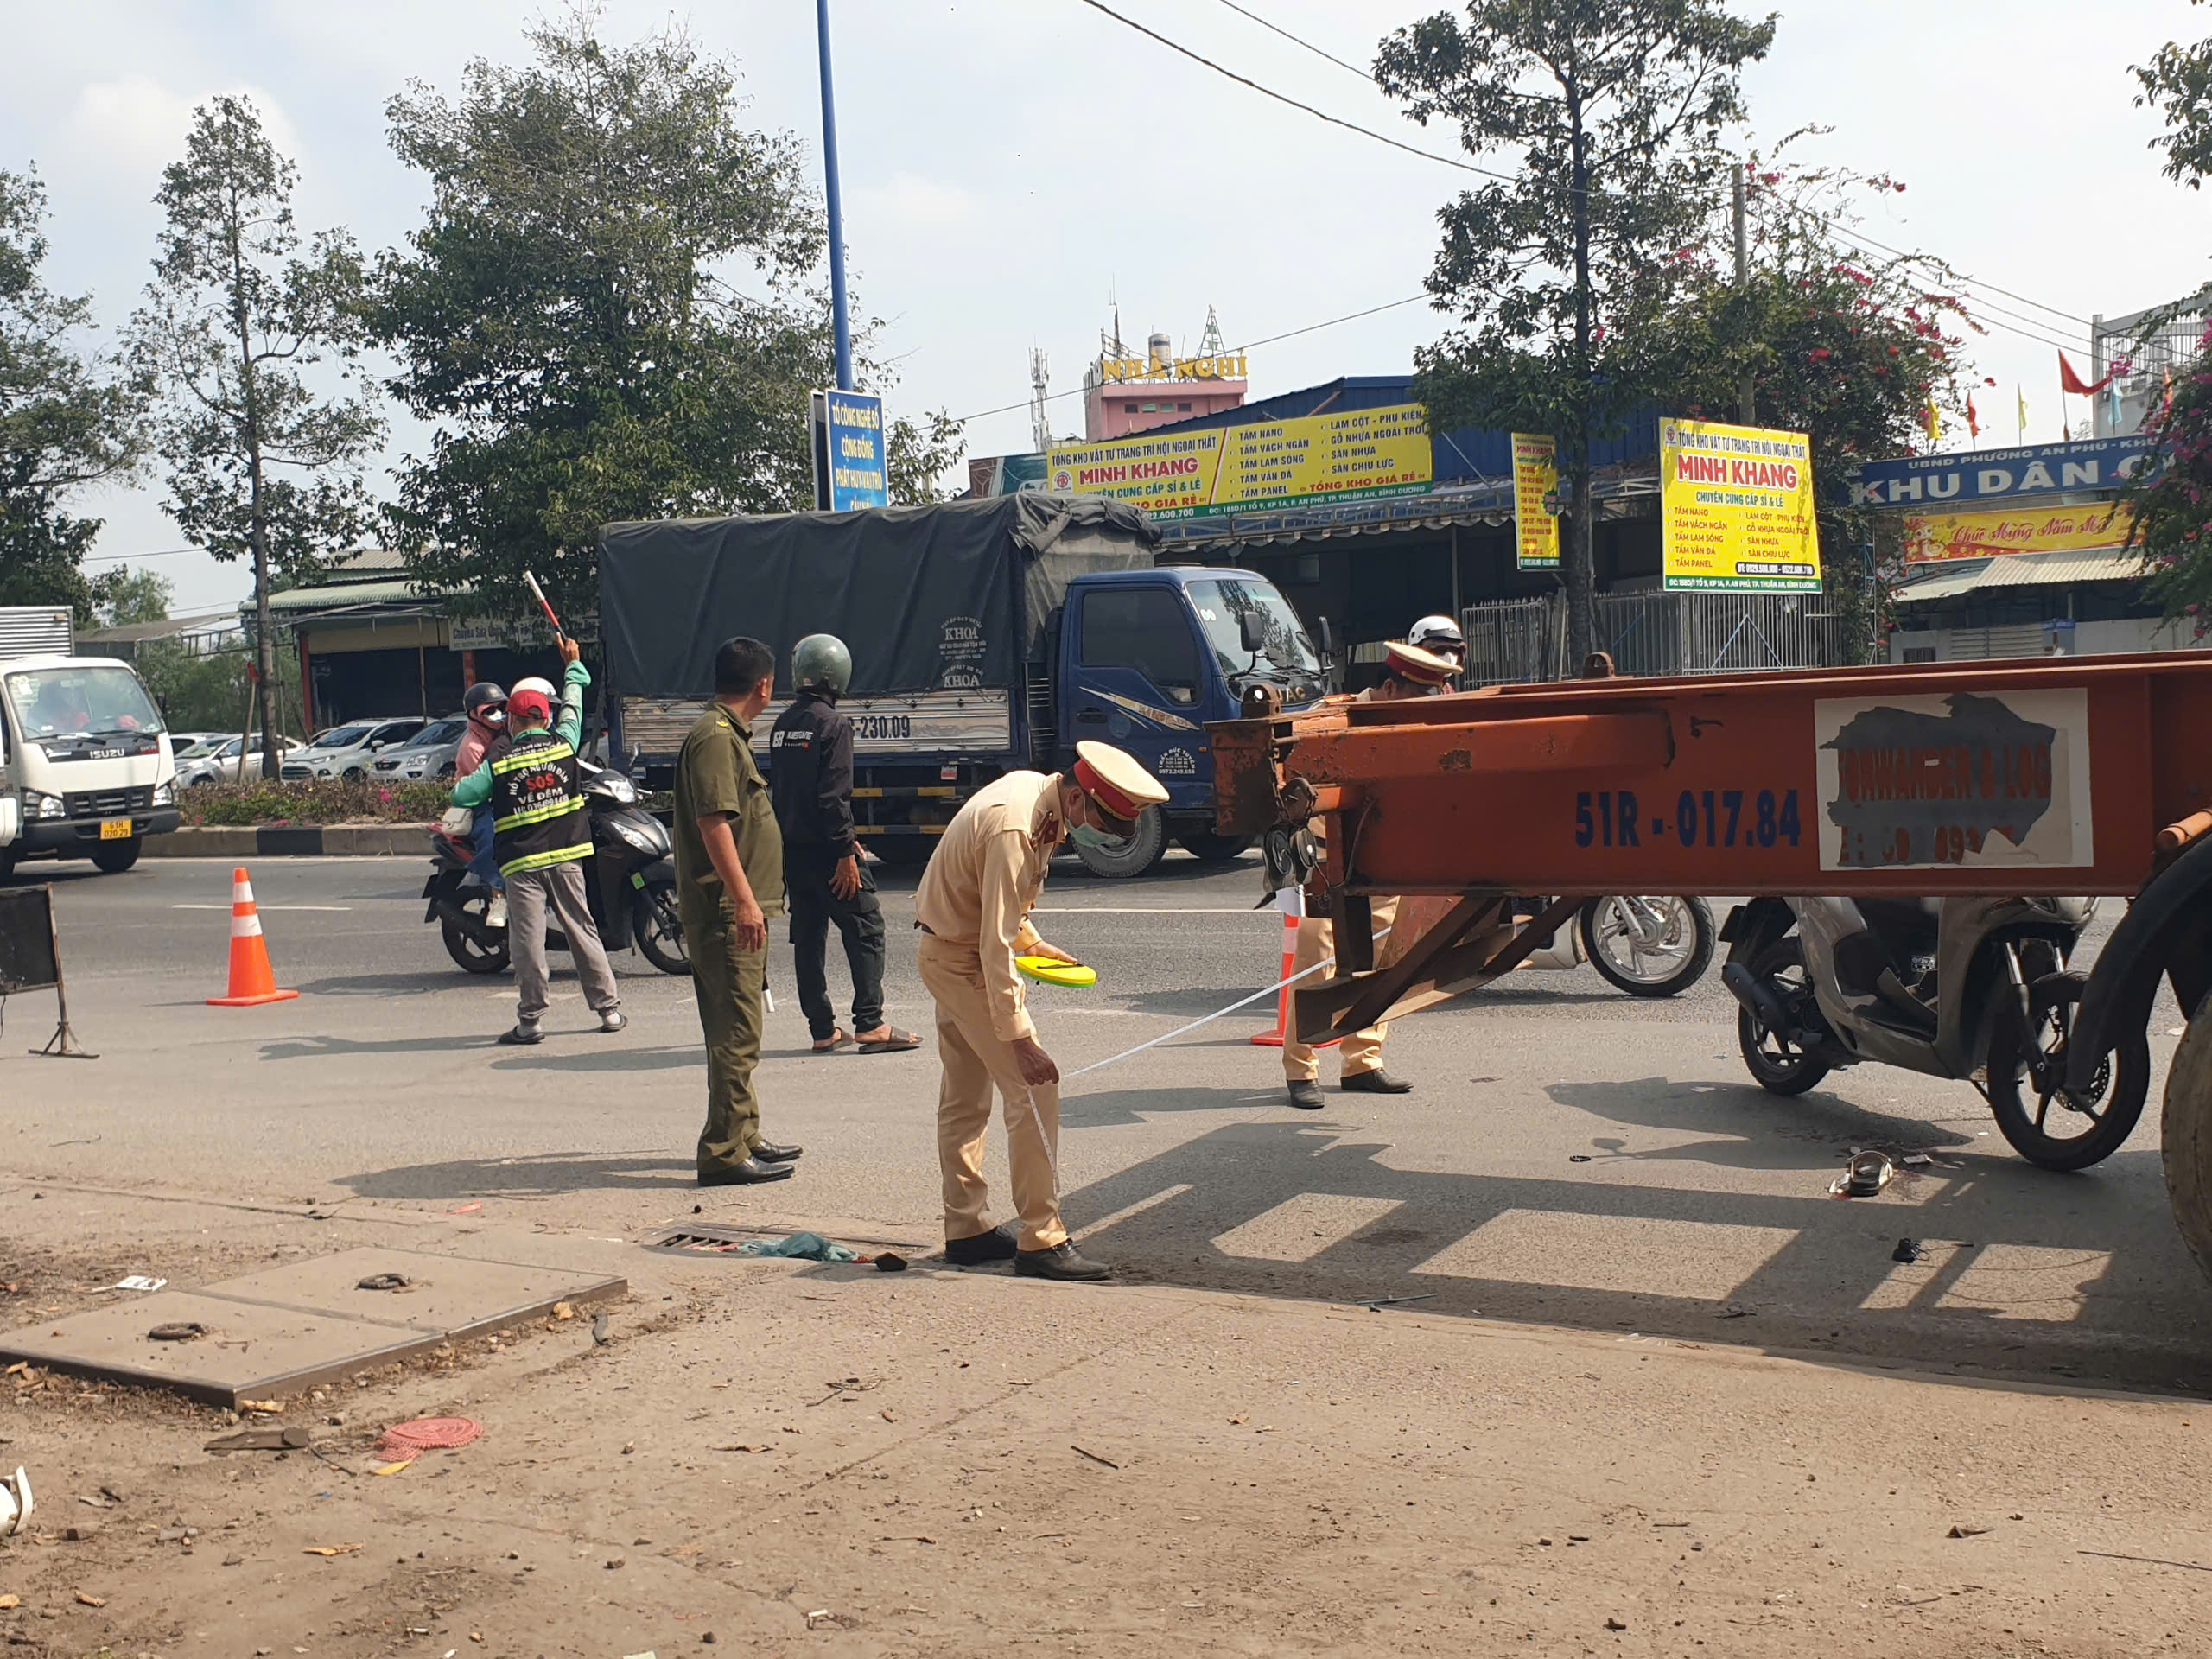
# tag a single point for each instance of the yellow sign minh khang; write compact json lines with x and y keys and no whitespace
{"x":1932,"y":537}
{"x":1359,"y":455}
{"x":1535,"y":525}
{"x":1736,"y":510}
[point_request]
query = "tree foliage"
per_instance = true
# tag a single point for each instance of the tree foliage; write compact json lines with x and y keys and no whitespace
{"x":254,"y":347}
{"x":1844,"y":347}
{"x":67,"y":419}
{"x":2178,"y":84}
{"x":1607,"y":114}
{"x":129,"y":598}
{"x":609,"y":312}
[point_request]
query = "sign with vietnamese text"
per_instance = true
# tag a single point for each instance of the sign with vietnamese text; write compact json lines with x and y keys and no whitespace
{"x":1998,"y":475}
{"x":1932,"y":537}
{"x":849,"y":471}
{"x":1118,"y":370}
{"x":1360,"y":454}
{"x":1736,"y":510}
{"x":1535,"y":485}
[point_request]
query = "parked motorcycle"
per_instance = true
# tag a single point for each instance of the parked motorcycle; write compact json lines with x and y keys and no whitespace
{"x":1645,"y":944}
{"x":1975,"y":988}
{"x":630,"y":879}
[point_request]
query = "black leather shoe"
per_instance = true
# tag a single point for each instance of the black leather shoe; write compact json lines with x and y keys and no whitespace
{"x":769,"y":1153}
{"x":997,"y":1245}
{"x":751,"y":1172}
{"x":523,"y":1036}
{"x":1306,"y":1095}
{"x":1062,"y":1260}
{"x":1378,"y":1082}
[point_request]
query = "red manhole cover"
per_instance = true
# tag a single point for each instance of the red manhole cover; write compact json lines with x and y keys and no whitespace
{"x":428,"y":1434}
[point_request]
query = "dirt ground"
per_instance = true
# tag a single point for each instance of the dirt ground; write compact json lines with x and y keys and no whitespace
{"x":782,"y":1457}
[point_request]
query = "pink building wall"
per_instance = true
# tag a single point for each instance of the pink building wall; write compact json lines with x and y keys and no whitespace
{"x":1117,"y":409}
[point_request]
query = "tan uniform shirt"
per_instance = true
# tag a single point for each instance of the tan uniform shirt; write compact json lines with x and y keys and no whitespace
{"x":986,"y":871}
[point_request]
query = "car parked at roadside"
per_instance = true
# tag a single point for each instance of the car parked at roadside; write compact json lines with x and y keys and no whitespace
{"x":429,"y":753}
{"x":219,"y":765}
{"x":350,"y":751}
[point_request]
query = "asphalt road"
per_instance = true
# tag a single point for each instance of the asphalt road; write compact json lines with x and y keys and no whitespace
{"x":1572,"y":1156}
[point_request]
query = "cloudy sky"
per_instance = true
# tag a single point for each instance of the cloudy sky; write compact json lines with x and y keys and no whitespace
{"x":1012,"y":168}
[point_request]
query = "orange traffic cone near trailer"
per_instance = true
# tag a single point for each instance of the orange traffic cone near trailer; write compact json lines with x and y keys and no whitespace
{"x":253,"y":982}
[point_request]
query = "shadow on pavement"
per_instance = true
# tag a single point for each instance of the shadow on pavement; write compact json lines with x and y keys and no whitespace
{"x":549,"y":1057}
{"x":1750,"y":1127}
{"x":329,"y":1048}
{"x":546,"y":1175}
{"x":2040,"y":1273}
{"x":1118,"y":1108}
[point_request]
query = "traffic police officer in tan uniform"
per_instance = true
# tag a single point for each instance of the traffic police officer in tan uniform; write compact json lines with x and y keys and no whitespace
{"x":1408,"y":671}
{"x":973,"y":908}
{"x":729,"y":880}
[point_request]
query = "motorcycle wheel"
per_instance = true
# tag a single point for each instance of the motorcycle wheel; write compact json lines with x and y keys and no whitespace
{"x":2045,"y":1129}
{"x":659,"y":935}
{"x":1774,"y":1065}
{"x":1667,"y":966}
{"x":471,"y":957}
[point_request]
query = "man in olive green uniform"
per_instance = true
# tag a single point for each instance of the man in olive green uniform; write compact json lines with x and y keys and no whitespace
{"x":729,"y":880}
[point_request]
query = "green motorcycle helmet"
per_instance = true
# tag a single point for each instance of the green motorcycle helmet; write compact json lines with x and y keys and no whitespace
{"x":821,"y":660}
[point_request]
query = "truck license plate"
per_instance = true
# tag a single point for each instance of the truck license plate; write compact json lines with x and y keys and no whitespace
{"x":115,"y":829}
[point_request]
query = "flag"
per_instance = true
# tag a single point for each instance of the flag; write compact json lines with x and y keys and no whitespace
{"x":2022,"y":391}
{"x":2069,"y":381}
{"x":1933,"y":421}
{"x":1974,"y":418}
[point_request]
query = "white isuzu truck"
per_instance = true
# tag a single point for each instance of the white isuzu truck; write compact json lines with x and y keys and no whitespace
{"x":84,"y":770}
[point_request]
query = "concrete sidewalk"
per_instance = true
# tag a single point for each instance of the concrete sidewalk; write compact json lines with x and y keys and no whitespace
{"x":770,"y":1455}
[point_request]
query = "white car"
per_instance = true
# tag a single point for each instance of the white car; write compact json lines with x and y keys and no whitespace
{"x":195,"y":745}
{"x":350,"y":751}
{"x":429,"y":753}
{"x":220,"y":765}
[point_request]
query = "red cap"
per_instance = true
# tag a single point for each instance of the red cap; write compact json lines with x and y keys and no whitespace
{"x":527,"y":705}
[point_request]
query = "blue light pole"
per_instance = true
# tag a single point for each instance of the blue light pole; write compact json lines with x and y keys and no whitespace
{"x":841,"y":318}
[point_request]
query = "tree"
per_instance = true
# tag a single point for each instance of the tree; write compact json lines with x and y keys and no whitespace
{"x":610,"y":312}
{"x":1846,"y":348}
{"x":255,"y":348}
{"x":917,"y":457}
{"x":1613,"y":111}
{"x":67,"y":418}
{"x":2178,"y":81}
{"x":128,"y":598}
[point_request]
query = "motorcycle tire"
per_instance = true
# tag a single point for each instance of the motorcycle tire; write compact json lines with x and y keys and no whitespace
{"x":1602,"y":925}
{"x":472,"y":958}
{"x":1783,"y":1070}
{"x":658,"y":934}
{"x":2024,"y":1116}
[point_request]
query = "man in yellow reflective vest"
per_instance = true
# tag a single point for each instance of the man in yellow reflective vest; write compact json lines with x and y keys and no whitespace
{"x":541,"y":834}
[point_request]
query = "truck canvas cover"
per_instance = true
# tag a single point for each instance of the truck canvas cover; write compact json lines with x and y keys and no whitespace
{"x":952,"y":597}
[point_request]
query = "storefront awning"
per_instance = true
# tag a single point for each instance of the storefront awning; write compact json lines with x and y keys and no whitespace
{"x":2022,"y":570}
{"x":1489,"y":502}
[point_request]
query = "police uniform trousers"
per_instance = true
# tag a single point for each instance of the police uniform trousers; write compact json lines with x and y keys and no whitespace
{"x":730,"y":984}
{"x":1361,"y":1050}
{"x":975,"y":1059}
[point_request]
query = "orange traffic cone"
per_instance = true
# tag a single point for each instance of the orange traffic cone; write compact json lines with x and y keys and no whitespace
{"x":1292,"y":902}
{"x":253,"y":981}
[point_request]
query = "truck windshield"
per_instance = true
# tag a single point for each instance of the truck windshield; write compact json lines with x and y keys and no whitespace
{"x":1219,"y":603}
{"x":73,"y":702}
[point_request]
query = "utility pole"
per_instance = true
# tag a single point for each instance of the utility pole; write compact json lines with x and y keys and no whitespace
{"x":1746,"y":408}
{"x":841,"y":317}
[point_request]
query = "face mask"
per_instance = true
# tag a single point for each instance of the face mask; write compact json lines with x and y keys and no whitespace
{"x":1095,"y":840}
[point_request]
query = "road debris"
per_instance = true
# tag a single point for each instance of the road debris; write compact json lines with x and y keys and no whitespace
{"x":177,"y":1331}
{"x":890,"y":1261}
{"x":409,"y":1440}
{"x":2148,"y":1561}
{"x":260,"y":1440}
{"x":1095,"y":1458}
{"x":1377,"y":1303}
{"x":16,"y":1502}
{"x":564,"y":1311}
{"x":326,"y":1550}
{"x":87,"y":1598}
{"x":599,"y":1329}
{"x":1863,"y":1176}
{"x":804,"y":1247}
{"x":1963,"y":1529}
{"x":847,"y":1388}
{"x":1907,"y":1251}
{"x":267,"y":1408}
{"x":138,"y":1281}
{"x":385,"y":1281}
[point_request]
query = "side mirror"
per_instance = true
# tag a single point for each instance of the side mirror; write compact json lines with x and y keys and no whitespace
{"x":1251,"y":630}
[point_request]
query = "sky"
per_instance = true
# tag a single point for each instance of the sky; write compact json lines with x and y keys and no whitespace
{"x":1012,"y":168}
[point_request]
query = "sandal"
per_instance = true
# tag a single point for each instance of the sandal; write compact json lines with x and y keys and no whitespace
{"x":834,"y":1041}
{"x":897,"y":1043}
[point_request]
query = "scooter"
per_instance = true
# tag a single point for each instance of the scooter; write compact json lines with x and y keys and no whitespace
{"x":1975,"y":989}
{"x":1646,"y":944}
{"x":630,"y":879}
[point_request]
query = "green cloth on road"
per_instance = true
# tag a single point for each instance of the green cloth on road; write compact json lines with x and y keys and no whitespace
{"x":567,"y":725}
{"x":805,"y":1247}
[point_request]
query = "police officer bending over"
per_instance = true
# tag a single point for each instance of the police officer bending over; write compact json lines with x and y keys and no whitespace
{"x":811,"y":778}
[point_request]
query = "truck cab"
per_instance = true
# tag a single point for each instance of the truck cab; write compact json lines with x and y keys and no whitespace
{"x":1146,"y":658}
{"x":84,"y":771}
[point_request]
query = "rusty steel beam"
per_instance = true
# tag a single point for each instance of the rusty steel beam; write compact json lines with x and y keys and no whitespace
{"x":1440,"y":964}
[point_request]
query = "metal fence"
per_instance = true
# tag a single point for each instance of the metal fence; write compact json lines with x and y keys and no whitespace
{"x":1657,"y":633}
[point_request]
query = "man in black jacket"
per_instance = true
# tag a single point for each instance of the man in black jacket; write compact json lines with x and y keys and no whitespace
{"x":811,"y":779}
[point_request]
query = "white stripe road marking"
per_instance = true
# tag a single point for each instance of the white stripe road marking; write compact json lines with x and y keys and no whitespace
{"x":264,"y":907}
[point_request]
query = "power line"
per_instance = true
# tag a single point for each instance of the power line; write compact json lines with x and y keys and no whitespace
{"x":1317,"y":51}
{"x":133,"y":558}
{"x":1959,"y":277}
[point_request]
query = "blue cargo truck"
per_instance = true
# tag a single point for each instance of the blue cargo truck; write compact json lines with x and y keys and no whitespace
{"x":987,"y":636}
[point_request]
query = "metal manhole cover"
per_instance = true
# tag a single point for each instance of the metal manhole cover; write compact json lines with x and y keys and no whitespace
{"x":700,"y":1238}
